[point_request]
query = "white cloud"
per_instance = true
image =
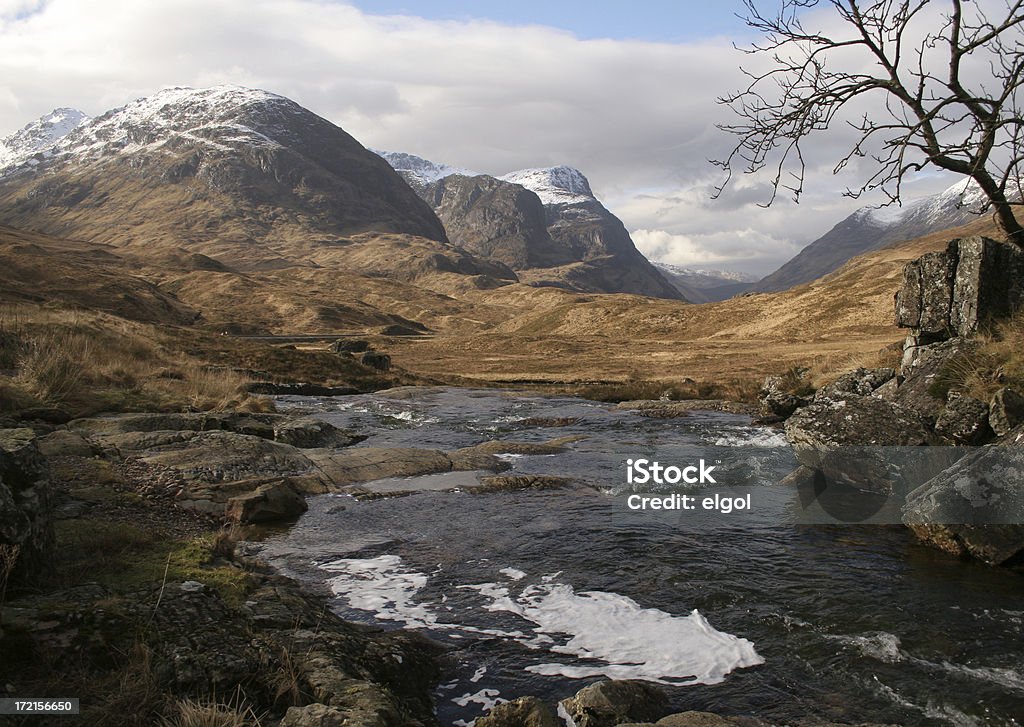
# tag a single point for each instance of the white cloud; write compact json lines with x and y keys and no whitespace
{"x":637,"y":117}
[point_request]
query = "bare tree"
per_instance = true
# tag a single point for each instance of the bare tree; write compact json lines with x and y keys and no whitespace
{"x":946,"y":76}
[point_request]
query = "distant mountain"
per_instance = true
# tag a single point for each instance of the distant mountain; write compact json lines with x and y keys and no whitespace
{"x":38,"y":138}
{"x":706,"y":286}
{"x":241,"y":174}
{"x":544,"y":223}
{"x":870,"y":229}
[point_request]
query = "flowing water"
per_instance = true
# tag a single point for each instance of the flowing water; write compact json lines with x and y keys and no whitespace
{"x":543,"y":592}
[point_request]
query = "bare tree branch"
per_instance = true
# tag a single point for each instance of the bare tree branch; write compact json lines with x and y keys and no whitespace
{"x":938,"y":110}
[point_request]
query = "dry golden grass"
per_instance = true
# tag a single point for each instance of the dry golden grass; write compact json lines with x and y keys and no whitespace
{"x":85,"y":362}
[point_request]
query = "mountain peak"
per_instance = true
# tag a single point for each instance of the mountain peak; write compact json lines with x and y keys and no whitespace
{"x":39,"y":136}
{"x":418,"y":169}
{"x":554,"y":185}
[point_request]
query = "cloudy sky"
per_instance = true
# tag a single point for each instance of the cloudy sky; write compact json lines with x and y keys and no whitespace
{"x":626,"y":94}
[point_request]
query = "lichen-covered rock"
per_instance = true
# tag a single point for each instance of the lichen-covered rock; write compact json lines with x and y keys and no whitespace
{"x":852,"y":441}
{"x":923,"y":389}
{"x":964,"y":420}
{"x":859,"y":382}
{"x":952,"y":292}
{"x":522,"y":712}
{"x":1005,"y":411}
{"x":923,"y":301}
{"x":26,"y":509}
{"x":776,"y":400}
{"x":975,"y":507}
{"x":855,"y":421}
{"x":610,"y":703}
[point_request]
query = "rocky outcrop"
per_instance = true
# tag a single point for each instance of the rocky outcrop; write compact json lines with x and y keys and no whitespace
{"x":610,"y":703}
{"x":522,"y":712}
{"x":276,"y":501}
{"x":975,"y":507}
{"x":953,"y":292}
{"x":26,"y":525}
{"x":498,"y":220}
{"x":776,"y":400}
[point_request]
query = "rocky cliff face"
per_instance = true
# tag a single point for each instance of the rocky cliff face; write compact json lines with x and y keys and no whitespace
{"x":224,"y":170}
{"x":544,"y":223}
{"x":496,"y":219}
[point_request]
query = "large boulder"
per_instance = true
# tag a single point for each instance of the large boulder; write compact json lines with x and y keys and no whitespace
{"x":610,"y":703}
{"x":975,"y":507}
{"x":953,"y":292}
{"x":26,"y":525}
{"x":861,"y":442}
{"x":927,"y":376}
{"x":276,"y":501}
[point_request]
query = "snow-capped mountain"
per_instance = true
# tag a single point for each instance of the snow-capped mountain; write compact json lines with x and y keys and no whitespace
{"x":554,"y":185}
{"x":870,"y":228}
{"x":545,"y":223}
{"x":38,"y":137}
{"x":233,"y":170}
{"x":706,"y":278}
{"x":419,"y":171}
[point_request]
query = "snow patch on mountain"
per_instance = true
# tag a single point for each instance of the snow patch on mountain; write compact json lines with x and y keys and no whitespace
{"x":39,"y":137}
{"x":710,"y":276}
{"x":418,"y":169}
{"x":554,"y":185}
{"x":207,"y":116}
{"x":957,"y":204}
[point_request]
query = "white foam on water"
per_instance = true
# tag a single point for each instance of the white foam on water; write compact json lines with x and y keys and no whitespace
{"x":753,"y":438}
{"x":487,"y":697}
{"x":478,"y":674}
{"x":382,"y":585}
{"x":938,"y":712}
{"x":620,"y":638}
{"x":625,"y":640}
{"x":878,"y":645}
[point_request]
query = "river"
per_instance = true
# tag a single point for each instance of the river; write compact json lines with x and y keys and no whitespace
{"x":747,"y":612}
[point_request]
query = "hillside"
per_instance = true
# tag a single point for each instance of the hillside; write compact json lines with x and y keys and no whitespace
{"x":238,"y":174}
{"x":870,"y":228}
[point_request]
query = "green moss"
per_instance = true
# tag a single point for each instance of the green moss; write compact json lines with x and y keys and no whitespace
{"x":124,"y":558}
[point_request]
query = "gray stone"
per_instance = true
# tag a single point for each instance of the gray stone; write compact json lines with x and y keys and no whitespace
{"x":964,"y":420}
{"x":776,"y":400}
{"x":923,"y":390}
{"x":860,"y":382}
{"x":315,"y":715}
{"x":610,"y":703}
{"x":26,"y":508}
{"x":975,"y":507}
{"x":63,"y":443}
{"x":309,"y":433}
{"x":271,"y":502}
{"x":953,"y":292}
{"x":522,"y":712}
{"x":1005,"y":411}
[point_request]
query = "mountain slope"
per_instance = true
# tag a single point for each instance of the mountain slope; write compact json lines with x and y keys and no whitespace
{"x":870,"y":229}
{"x":240,"y":174}
{"x":575,"y":243}
{"x":705,"y":286}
